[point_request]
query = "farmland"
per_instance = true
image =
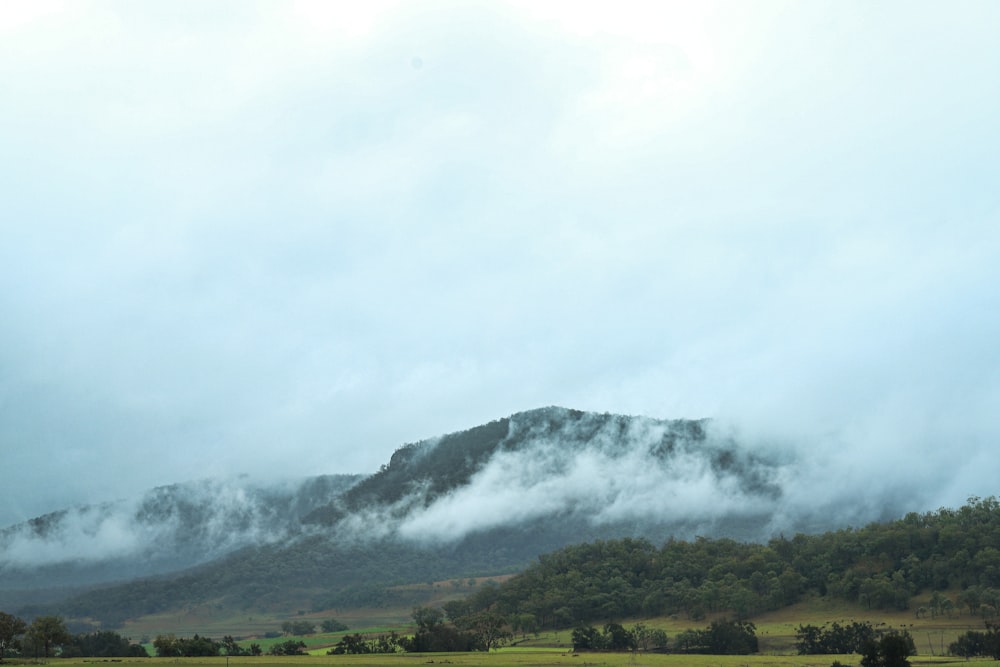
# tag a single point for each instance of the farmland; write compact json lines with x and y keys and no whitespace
{"x":514,"y":657}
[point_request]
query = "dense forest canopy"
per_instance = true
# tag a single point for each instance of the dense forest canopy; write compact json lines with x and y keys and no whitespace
{"x":881,"y":566}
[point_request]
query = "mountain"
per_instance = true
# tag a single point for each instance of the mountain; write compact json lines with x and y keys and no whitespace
{"x":482,"y":501}
{"x":167,"y":529}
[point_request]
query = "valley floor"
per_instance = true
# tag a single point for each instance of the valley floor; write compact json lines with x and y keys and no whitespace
{"x":511,"y":658}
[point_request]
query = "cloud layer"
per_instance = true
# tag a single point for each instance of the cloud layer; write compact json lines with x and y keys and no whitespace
{"x":285,"y":238}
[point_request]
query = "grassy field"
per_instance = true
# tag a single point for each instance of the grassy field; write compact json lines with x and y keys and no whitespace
{"x":510,"y":658}
{"x":775,"y":632}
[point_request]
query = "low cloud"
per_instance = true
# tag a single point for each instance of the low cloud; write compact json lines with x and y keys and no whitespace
{"x":179,"y":525}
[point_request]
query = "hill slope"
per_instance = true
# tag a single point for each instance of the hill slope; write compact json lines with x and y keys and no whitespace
{"x":165,"y":530}
{"x":482,"y":501}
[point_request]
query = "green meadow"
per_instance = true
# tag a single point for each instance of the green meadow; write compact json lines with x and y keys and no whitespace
{"x":512,"y":657}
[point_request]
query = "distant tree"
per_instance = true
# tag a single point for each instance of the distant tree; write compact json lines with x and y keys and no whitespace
{"x":587,"y":638}
{"x":358,"y":644}
{"x":298,"y":628}
{"x":434,"y":635}
{"x":975,"y":643}
{"x":456,"y":609}
{"x":733,"y":637}
{"x":353,"y":644}
{"x":617,"y":638}
{"x":230,"y":646}
{"x":647,"y":638}
{"x":290,"y":647}
{"x":199,"y":646}
{"x":102,"y":644}
{"x":170,"y":646}
{"x":46,"y":632}
{"x":166,"y":646}
{"x":720,"y":638}
{"x":427,"y":618}
{"x":837,"y":639}
{"x":489,"y":628}
{"x":524,"y":623}
{"x":891,"y":650}
{"x":332,"y":625}
{"x":11,"y":629}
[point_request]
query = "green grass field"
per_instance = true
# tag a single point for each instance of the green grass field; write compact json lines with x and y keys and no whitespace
{"x":775,"y":632}
{"x":509,"y":658}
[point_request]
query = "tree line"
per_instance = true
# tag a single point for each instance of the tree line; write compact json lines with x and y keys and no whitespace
{"x":47,"y":634}
{"x":880,"y":566}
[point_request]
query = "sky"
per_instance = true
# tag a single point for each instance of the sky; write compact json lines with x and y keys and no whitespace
{"x":285,"y":238}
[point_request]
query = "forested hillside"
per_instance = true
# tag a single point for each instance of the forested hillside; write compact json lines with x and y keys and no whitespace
{"x":491,"y":499}
{"x":479,"y":502}
{"x":882,"y":565}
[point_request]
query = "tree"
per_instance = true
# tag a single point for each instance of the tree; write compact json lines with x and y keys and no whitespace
{"x":230,"y":646}
{"x":102,"y":644}
{"x":732,"y":637}
{"x":587,"y":638}
{"x":489,"y":628}
{"x":298,"y":628}
{"x":290,"y":647}
{"x":891,"y":650}
{"x":647,"y":638}
{"x":427,"y":618}
{"x":617,"y":638}
{"x":166,"y":646}
{"x":524,"y":623}
{"x":333,"y":625}
{"x":11,"y":629}
{"x":46,"y":632}
{"x":974,"y":643}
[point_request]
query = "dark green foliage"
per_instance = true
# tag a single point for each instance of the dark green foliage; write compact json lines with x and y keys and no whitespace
{"x":12,"y":628}
{"x":879,"y":566}
{"x":230,"y":647}
{"x":616,"y":637}
{"x":332,"y":625}
{"x":358,"y":644}
{"x":974,"y":643}
{"x":649,"y":639}
{"x":890,"y":650}
{"x":44,"y":634}
{"x":170,"y":646}
{"x":587,"y":639}
{"x":441,"y":639}
{"x":435,"y":635}
{"x":290,"y":647}
{"x":838,"y":639}
{"x":298,"y":628}
{"x":489,"y":629}
{"x":732,"y":638}
{"x":720,"y":638}
{"x":102,"y":644}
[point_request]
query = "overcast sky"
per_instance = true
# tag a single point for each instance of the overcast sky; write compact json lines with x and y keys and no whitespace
{"x":284,"y":238}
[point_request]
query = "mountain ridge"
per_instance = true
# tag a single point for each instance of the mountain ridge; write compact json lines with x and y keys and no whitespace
{"x":481,"y":501}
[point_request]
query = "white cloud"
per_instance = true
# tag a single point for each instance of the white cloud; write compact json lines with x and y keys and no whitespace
{"x":243,"y":229}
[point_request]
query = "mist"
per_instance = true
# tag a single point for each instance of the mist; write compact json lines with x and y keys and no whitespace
{"x":611,"y":475}
{"x":262,"y":239}
{"x":165,"y":528}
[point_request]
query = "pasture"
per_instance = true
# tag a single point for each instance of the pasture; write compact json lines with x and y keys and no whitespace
{"x":507,"y":658}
